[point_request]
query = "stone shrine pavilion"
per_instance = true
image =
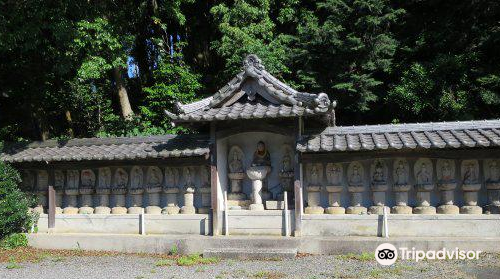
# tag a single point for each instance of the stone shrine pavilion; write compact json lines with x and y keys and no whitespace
{"x":269,"y":160}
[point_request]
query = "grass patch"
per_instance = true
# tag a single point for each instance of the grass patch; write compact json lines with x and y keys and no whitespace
{"x":390,"y":271}
{"x":195,"y":259}
{"x":358,"y":257}
{"x":164,"y":262}
{"x":269,"y":275}
{"x":13,"y":264}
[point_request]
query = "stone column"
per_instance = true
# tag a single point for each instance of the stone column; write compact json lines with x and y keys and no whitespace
{"x":424,"y":199}
{"x":206,"y":201}
{"x":470,"y":186}
{"x":86,"y":200}
{"x":493,"y":197}
{"x":136,"y":190}
{"x":188,"y":207}
{"x":103,"y":201}
{"x":334,"y":200}
{"x":257,"y":174}
{"x":447,"y":185}
{"x":58,"y":188}
{"x":314,"y":200}
{"x":71,"y":191}
{"x":236,"y":190}
{"x":119,"y":195}
{"x":154,"y":200}
{"x":379,"y":186}
{"x":171,"y":194}
{"x":401,"y":195}
{"x":356,"y":207}
{"x":42,"y":185}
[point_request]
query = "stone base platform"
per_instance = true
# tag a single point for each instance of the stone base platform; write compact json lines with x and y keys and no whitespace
{"x":188,"y":244}
{"x":238,"y":204}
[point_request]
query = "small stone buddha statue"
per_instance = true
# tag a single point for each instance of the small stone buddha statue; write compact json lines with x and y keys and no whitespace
{"x":355,"y":178}
{"x":423,"y":176}
{"x":261,"y":156}
{"x":400,"y":174}
{"x":378,"y":175}
{"x":235,"y":166}
{"x":494,"y":172}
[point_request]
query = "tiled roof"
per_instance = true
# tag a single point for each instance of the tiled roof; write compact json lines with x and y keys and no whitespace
{"x":465,"y":134}
{"x":245,"y":111}
{"x":277,"y":96}
{"x":100,"y":149}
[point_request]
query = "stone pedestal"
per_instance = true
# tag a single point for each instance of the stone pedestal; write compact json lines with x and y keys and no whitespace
{"x":356,"y":192}
{"x":172,"y":207}
{"x":136,"y":198}
{"x":188,"y":207}
{"x":206,"y":199}
{"x":286,"y":179}
{"x":102,"y":201}
{"x":334,"y":200}
{"x":41,"y":201}
{"x":257,"y":174}
{"x":119,"y":197}
{"x":236,"y":199}
{"x":86,"y":201}
{"x":71,"y":201}
{"x":378,"y":193}
{"x":59,"y":201}
{"x":424,"y":199}
{"x":153,"y":200}
{"x":314,"y":200}
{"x":493,"y":206}
{"x":401,"y":196}
{"x":470,"y":199}
{"x":447,"y":199}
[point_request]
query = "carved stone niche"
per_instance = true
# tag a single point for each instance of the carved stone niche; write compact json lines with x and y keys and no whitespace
{"x":446,"y":184}
{"x":189,"y":187}
{"x":378,"y":174}
{"x":286,"y":175}
{"x":154,"y":180}
{"x":356,"y":187}
{"x":42,"y":184}
{"x":59,"y":188}
{"x":86,"y":190}
{"x":171,"y":190}
{"x":205,"y":190}
{"x":314,"y":184}
{"x":491,"y":169}
{"x":136,"y":189}
{"x":470,"y":185}
{"x":334,"y":178}
{"x":71,"y":191}
{"x":424,"y":184}
{"x":103,"y":191}
{"x":119,"y":190}
{"x":401,"y":186}
{"x":236,"y":174}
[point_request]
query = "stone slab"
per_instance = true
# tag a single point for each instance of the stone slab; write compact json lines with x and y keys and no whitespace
{"x":250,"y":254}
{"x":275,"y":205}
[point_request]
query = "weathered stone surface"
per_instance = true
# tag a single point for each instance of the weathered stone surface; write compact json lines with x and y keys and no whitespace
{"x":119,"y":210}
{"x":170,"y":210}
{"x":275,"y":205}
{"x":448,"y":209}
{"x":335,"y":210}
{"x":314,"y":210}
{"x":356,"y":210}
{"x":471,"y":209}
{"x":378,"y":209}
{"x":153,"y":210}
{"x":70,"y":210}
{"x":135,"y":210}
{"x":424,"y":210}
{"x":401,"y":209}
{"x":86,"y":210}
{"x":102,"y":210}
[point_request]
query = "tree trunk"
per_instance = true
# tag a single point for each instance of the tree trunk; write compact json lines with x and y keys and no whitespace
{"x":70,"y":124}
{"x":122,"y":94}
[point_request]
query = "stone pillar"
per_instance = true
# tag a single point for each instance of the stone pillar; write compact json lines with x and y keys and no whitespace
{"x":257,"y":174}
{"x":447,"y":198}
{"x":206,"y":200}
{"x":103,"y":201}
{"x":42,"y":185}
{"x":470,"y":199}
{"x":493,"y":197}
{"x":378,"y":194}
{"x":188,"y":207}
{"x":424,"y":199}
{"x":86,"y":201}
{"x":356,"y":192}
{"x":71,"y":201}
{"x":314,"y":200}
{"x":119,"y":195}
{"x":334,"y":200}
{"x":136,"y":196}
{"x":154,"y":200}
{"x":58,"y":188}
{"x":236,"y":190}
{"x":171,"y":194}
{"x":401,"y":196}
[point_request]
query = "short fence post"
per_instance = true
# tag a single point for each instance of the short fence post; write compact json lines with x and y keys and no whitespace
{"x":52,"y":209}
{"x":142,"y":223}
{"x":384,"y":221}
{"x":226,"y":209}
{"x":285,"y":208}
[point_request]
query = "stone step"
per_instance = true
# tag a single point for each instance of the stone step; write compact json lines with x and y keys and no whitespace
{"x":250,"y":253}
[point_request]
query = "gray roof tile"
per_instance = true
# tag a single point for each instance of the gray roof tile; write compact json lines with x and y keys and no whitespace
{"x":99,"y":149}
{"x":465,"y":134}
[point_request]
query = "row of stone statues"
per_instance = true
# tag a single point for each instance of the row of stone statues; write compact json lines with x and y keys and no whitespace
{"x":85,"y":185}
{"x":445,"y":178}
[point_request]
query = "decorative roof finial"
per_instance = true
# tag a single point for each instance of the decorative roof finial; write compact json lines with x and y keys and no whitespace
{"x":253,"y":60}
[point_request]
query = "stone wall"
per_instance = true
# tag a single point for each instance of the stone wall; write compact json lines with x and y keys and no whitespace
{"x":157,"y":189}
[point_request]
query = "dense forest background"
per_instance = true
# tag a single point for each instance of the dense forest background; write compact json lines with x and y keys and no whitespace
{"x":110,"y":68}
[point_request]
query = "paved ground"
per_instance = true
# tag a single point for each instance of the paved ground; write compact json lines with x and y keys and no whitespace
{"x":68,"y":266}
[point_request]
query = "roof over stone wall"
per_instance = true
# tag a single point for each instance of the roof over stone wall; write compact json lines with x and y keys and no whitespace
{"x":253,"y":93}
{"x":108,"y":149}
{"x":464,"y":134}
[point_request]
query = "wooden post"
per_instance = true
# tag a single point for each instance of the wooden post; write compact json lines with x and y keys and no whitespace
{"x":52,"y":207}
{"x":216,"y":212}
{"x":285,"y":209}
{"x":298,"y":208}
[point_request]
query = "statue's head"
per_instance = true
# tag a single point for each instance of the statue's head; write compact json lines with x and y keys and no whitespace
{"x":261,"y":146}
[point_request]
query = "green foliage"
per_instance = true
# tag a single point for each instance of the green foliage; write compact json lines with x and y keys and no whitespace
{"x":14,"y":204}
{"x":14,"y":241}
